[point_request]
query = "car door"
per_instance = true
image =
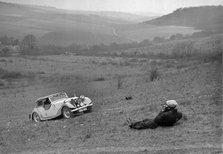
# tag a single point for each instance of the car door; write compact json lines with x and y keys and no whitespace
{"x":46,"y":109}
{"x":41,"y":109}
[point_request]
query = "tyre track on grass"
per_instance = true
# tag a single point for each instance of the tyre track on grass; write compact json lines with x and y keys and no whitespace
{"x":188,"y":148}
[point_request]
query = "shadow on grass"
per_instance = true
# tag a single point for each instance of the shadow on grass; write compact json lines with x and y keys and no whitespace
{"x":62,"y":118}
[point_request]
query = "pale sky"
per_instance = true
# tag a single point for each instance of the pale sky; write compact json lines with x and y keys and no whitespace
{"x":157,"y":6}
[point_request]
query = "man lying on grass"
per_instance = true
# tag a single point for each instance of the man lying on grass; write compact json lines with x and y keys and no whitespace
{"x":167,"y":117}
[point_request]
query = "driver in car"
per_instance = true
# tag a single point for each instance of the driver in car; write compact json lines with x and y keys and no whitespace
{"x":47,"y":104}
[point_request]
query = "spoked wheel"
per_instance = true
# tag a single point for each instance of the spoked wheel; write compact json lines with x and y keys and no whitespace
{"x":66,"y":112}
{"x":36,"y":117}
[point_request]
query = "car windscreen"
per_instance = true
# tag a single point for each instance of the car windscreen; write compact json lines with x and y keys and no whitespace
{"x":39,"y":103}
{"x":57,"y":96}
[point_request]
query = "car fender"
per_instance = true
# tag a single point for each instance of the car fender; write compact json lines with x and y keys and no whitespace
{"x":68,"y":104}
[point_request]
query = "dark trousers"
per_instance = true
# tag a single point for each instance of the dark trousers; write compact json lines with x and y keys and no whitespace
{"x":144,"y":124}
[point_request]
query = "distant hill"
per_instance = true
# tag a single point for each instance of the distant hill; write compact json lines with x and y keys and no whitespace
{"x":205,"y":18}
{"x":121,"y":16}
{"x":62,"y":27}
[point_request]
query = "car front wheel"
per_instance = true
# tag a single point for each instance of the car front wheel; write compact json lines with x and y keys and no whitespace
{"x":36,"y":117}
{"x":66,"y":112}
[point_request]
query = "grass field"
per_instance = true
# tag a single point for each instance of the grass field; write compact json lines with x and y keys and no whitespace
{"x":193,"y":82}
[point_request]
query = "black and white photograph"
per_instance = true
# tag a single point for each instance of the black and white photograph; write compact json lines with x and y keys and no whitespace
{"x":111,"y":76}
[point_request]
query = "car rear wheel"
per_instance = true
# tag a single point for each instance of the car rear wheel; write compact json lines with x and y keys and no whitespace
{"x":36,"y":117}
{"x":66,"y":112}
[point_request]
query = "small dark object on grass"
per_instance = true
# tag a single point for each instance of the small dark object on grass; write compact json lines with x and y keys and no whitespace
{"x":128,"y":97}
{"x":154,"y":74}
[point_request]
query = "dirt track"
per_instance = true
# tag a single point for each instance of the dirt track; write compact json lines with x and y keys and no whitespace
{"x":176,"y":149}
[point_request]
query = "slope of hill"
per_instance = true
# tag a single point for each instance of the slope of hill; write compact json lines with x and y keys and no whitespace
{"x":194,"y":82}
{"x":136,"y":17}
{"x":196,"y":87}
{"x":19,"y":20}
{"x":54,"y":26}
{"x":205,"y":18}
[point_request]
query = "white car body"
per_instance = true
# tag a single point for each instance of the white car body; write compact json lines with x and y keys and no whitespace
{"x":51,"y":106}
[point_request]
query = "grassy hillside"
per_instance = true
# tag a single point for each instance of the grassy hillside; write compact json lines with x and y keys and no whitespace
{"x":54,"y":26}
{"x":178,"y":72}
{"x":195,"y":85}
{"x":20,"y":20}
{"x":206,"y":18}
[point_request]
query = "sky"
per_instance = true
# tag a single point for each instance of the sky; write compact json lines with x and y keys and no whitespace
{"x":131,"y":6}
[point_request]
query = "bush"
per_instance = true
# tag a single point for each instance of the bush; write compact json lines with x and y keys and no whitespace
{"x":11,"y":75}
{"x":183,"y":49}
{"x":4,"y":74}
{"x":217,"y":56}
{"x":4,"y":52}
{"x":2,"y":83}
{"x":211,"y":57}
{"x":99,"y":79}
{"x":154,"y":74}
{"x":119,"y":82}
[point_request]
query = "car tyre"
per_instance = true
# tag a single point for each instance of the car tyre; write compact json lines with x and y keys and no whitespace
{"x":36,"y":117}
{"x":66,"y":112}
{"x":89,"y":109}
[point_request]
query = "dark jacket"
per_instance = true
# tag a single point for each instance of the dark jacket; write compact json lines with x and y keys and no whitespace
{"x":168,"y":117}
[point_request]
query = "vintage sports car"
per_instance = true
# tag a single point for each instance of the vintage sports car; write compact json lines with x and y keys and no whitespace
{"x":54,"y":105}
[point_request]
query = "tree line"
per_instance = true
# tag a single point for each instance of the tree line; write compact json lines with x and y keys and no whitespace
{"x":28,"y":45}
